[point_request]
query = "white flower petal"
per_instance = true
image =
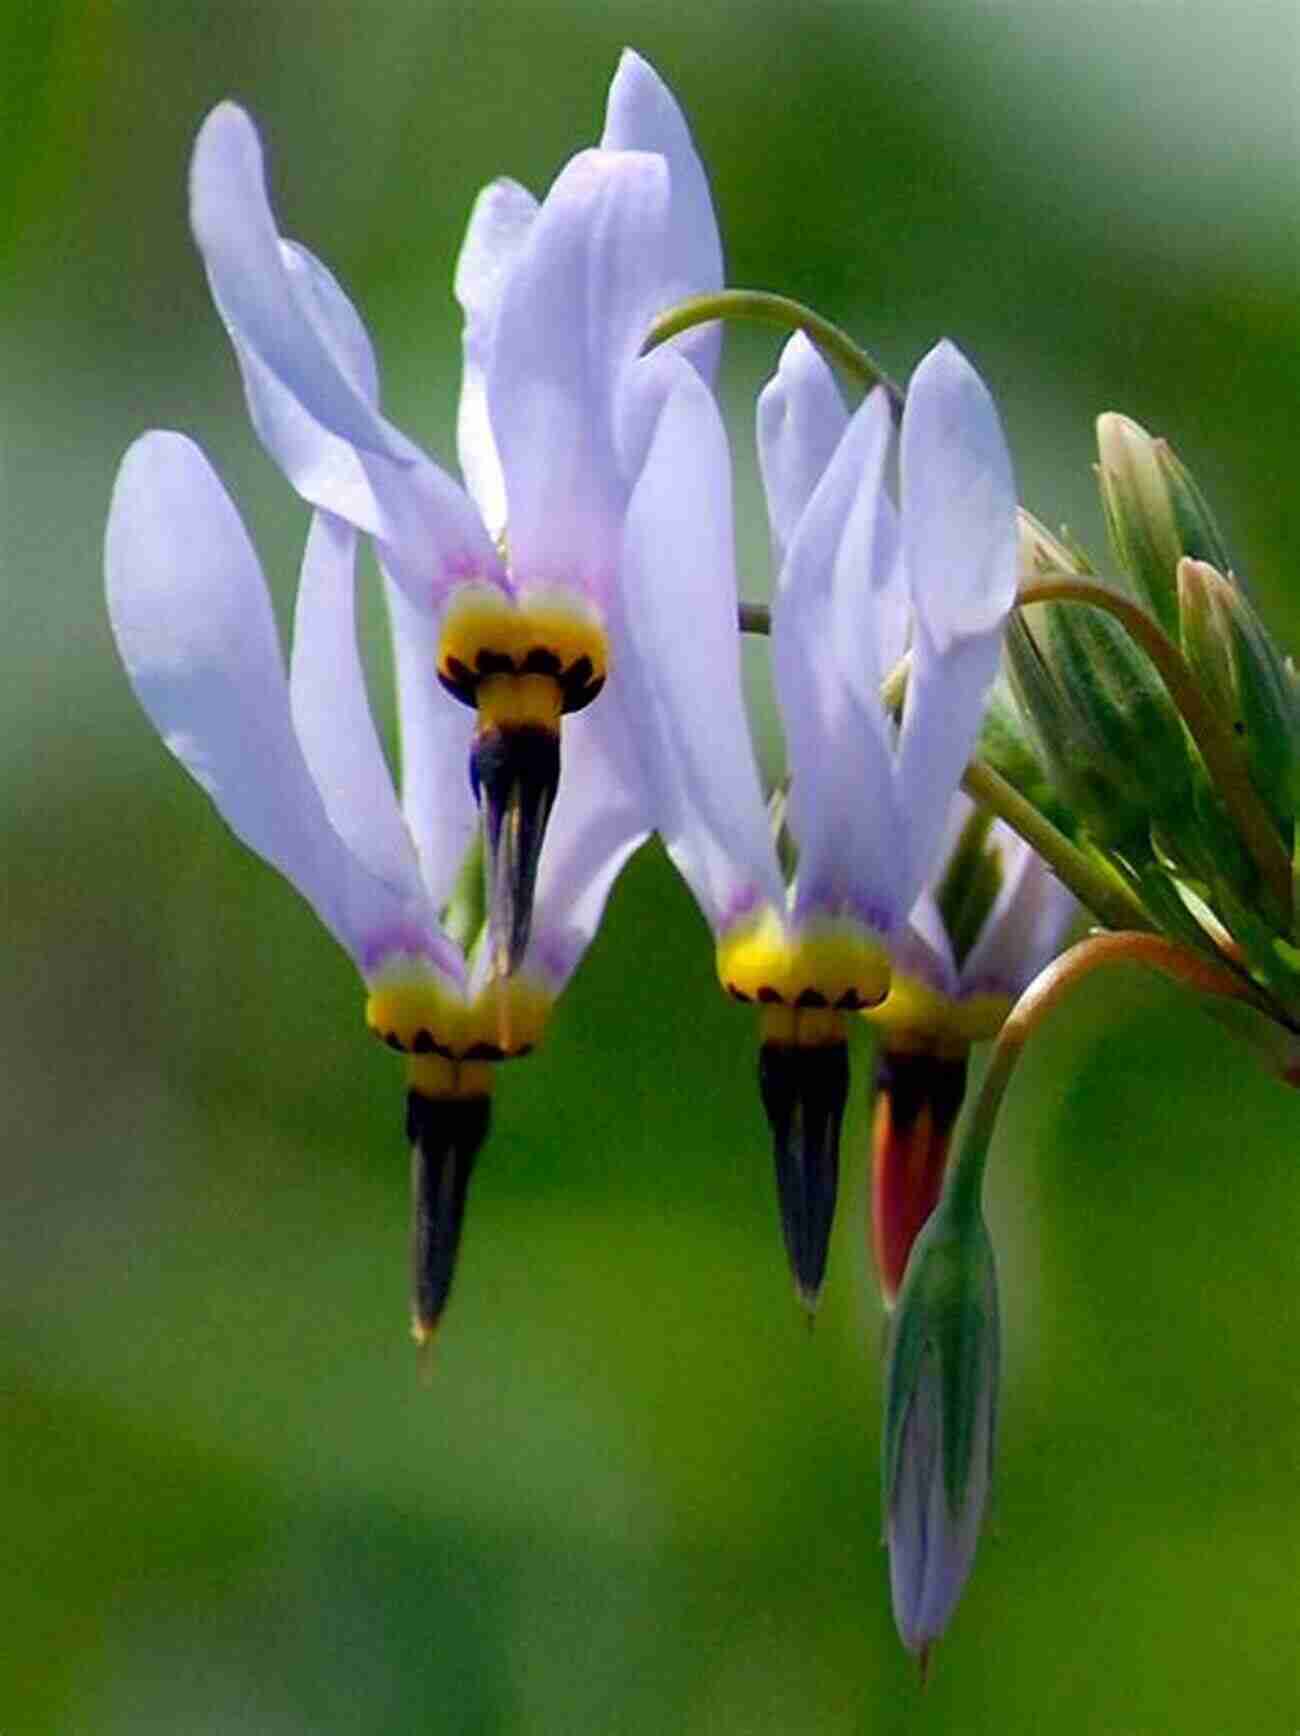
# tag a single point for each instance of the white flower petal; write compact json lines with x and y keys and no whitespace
{"x":572,"y":317}
{"x":236,"y":233}
{"x":499,"y":226}
{"x":310,"y":380}
{"x":642,"y":115}
{"x":681,"y":670}
{"x":602,"y":814}
{"x":946,"y":694}
{"x":437,"y":800}
{"x":193,"y":624}
{"x":958,"y":498}
{"x":841,"y":808}
{"x":801,"y":419}
{"x":331,"y":711}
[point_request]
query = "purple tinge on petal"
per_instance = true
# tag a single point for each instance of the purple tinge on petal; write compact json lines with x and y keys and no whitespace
{"x":571,"y":320}
{"x":309,"y":377}
{"x":800,"y":419}
{"x":643,"y":115}
{"x":499,"y":226}
{"x":417,"y":942}
{"x":931,"y":1548}
{"x":958,"y":500}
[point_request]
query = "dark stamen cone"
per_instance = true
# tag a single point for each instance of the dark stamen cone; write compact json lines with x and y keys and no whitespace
{"x":918,"y":1098}
{"x":446,"y":1135}
{"x":804,"y":1091}
{"x":515,"y":770}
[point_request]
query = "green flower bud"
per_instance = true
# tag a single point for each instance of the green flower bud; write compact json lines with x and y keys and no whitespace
{"x":1140,"y":517}
{"x":1039,"y":552}
{"x":1108,"y":732}
{"x":1247,"y":679}
{"x":1197,"y":531}
{"x":940,"y":1419}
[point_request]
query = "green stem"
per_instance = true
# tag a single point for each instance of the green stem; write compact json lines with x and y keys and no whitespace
{"x":966,"y":1173}
{"x":1208,"y":730}
{"x":760,"y":304}
{"x":1107,"y":898}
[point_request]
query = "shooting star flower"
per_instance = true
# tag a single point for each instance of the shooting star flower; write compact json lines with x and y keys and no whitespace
{"x":295,"y":767}
{"x":515,"y":579}
{"x":992,"y":918}
{"x":861,"y":582}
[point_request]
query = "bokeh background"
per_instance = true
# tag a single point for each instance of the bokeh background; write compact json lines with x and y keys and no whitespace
{"x":636,"y":1494}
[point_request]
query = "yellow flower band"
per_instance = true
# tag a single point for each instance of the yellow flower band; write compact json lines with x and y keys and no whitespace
{"x":544,"y":633}
{"x":832,"y":963}
{"x":416,"y":1017}
{"x":918,"y":1019}
{"x":441,"y":1079}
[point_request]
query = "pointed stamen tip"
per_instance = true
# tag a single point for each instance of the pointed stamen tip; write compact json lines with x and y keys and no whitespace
{"x":923,"y":1663}
{"x":808,"y":1298}
{"x":423,"y":1329}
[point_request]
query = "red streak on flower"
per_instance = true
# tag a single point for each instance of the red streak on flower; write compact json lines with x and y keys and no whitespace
{"x":917,"y":1102}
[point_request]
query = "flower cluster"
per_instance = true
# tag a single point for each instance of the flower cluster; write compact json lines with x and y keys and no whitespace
{"x":567,"y":667}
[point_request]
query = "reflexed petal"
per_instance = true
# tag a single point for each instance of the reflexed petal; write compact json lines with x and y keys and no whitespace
{"x":435,"y":731}
{"x":194,"y":627}
{"x":310,"y":379}
{"x":801,"y":420}
{"x":842,"y":810}
{"x":958,"y":499}
{"x":602,"y":814}
{"x":1027,"y":926}
{"x":236,"y":233}
{"x":941,"y":720}
{"x":681,"y":669}
{"x":573,"y":315}
{"x":642,"y":115}
{"x":331,"y":712}
{"x":499,"y":225}
{"x":871,"y":610}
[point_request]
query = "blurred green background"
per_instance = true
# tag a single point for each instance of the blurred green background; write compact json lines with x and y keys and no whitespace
{"x":636,"y":1494}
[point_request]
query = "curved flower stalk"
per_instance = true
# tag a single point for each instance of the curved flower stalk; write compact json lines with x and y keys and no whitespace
{"x":862,"y":580}
{"x":514,"y":581}
{"x":294,"y":766}
{"x":992,"y":918}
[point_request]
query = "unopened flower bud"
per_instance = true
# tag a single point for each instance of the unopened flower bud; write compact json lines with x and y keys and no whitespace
{"x":1108,"y":732}
{"x":1039,"y":552}
{"x":1245,"y":676}
{"x":940,"y":1414}
{"x":1199,"y":535}
{"x":1140,"y":518}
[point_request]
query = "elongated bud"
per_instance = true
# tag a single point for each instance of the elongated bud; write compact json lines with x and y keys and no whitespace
{"x":1198,"y":533}
{"x":1245,"y":676}
{"x":1108,"y":732}
{"x":1139,"y":513}
{"x":918,"y":1099}
{"x":940,"y":1420}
